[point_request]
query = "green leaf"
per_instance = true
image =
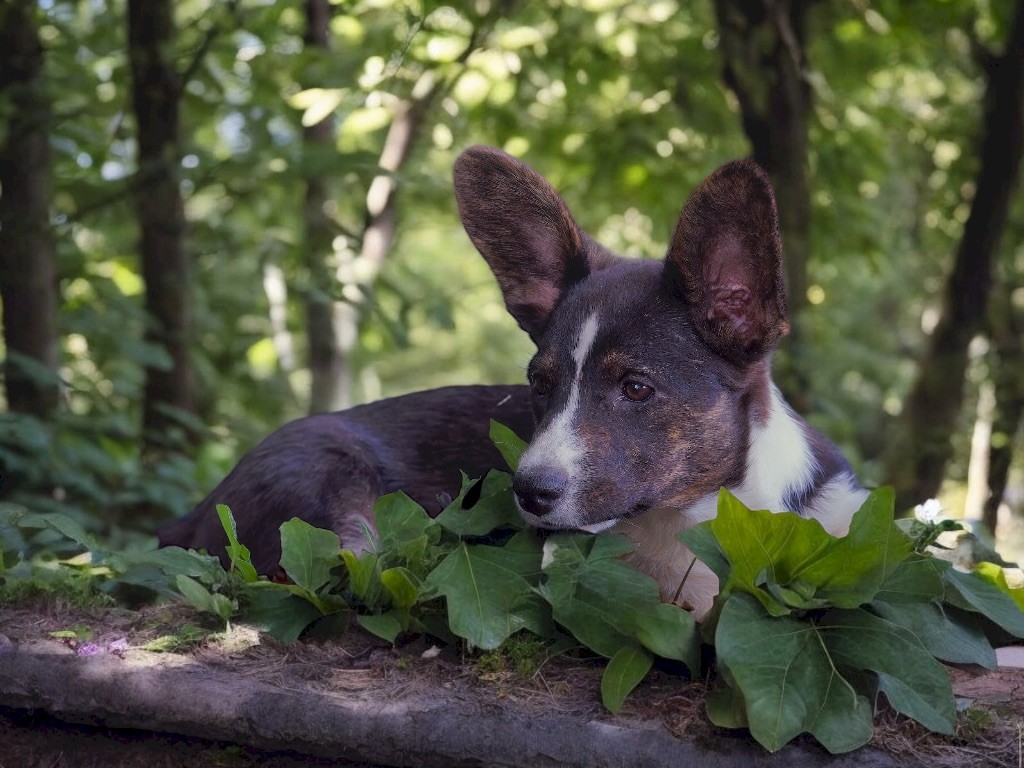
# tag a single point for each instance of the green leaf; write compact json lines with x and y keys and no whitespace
{"x":786,"y":680}
{"x":386,"y":626}
{"x":916,"y":580}
{"x":996,"y":576}
{"x":510,"y":445}
{"x":490,"y":590}
{"x":399,"y":519}
{"x":914,"y":682}
{"x":278,"y":611}
{"x":855,"y":566}
{"x":364,"y":578}
{"x":762,"y":545}
{"x":700,"y":539}
{"x":203,"y":600}
{"x":624,"y":672}
{"x":944,"y":637}
{"x":726,"y":708}
{"x":194,"y":592}
{"x":66,"y":526}
{"x":975,"y":593}
{"x":308,"y":554}
{"x":787,"y":561}
{"x":494,"y":508}
{"x":607,"y":604}
{"x":175,"y":560}
{"x":401,"y":585}
{"x":241,"y":560}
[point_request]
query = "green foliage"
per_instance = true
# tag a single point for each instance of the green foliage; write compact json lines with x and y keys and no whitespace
{"x":524,"y":653}
{"x":473,"y":573}
{"x":508,"y":443}
{"x":241,"y":560}
{"x":619,"y":103}
{"x":189,"y":636}
{"x":490,"y":591}
{"x":204,"y":600}
{"x":808,"y":627}
{"x":789,"y":562}
{"x":625,"y":670}
{"x":608,"y":605}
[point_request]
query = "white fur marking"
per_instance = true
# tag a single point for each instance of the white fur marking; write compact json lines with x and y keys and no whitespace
{"x":559,"y":444}
{"x":604,"y":525}
{"x":835,"y":502}
{"x":779,"y":459}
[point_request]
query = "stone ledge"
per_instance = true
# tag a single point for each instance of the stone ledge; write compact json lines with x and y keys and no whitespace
{"x":188,"y":696}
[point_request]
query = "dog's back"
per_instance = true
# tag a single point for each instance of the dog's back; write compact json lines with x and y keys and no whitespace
{"x":328,"y":469}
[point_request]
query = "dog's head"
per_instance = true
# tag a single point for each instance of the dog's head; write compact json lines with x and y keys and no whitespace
{"x":648,"y":374}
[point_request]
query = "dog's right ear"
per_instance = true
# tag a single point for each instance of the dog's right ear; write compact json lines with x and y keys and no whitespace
{"x":725,"y":261}
{"x":524,"y":231}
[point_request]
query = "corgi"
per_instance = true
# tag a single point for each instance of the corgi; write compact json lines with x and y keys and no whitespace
{"x":650,"y":390}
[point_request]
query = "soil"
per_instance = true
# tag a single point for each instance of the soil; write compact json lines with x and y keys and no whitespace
{"x":35,"y":739}
{"x":356,"y":667}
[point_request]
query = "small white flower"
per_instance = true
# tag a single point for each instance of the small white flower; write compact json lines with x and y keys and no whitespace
{"x":929,"y":511}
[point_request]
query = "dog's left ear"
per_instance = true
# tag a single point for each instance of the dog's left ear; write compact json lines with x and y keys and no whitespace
{"x":524,"y":231}
{"x":725,"y":262}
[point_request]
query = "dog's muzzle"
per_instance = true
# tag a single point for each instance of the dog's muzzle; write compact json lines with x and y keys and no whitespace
{"x":538,"y":491}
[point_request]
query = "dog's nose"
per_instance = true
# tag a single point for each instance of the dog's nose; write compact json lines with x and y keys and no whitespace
{"x":538,"y":490}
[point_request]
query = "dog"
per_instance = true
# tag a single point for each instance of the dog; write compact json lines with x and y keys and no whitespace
{"x":650,"y":390}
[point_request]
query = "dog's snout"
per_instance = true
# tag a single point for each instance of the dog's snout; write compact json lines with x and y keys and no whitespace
{"x":539,"y":490}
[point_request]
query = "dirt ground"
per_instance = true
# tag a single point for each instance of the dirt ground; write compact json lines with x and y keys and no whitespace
{"x":36,"y":740}
{"x":990,"y":732}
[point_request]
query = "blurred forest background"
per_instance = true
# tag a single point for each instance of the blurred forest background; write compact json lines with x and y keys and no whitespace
{"x":219,"y":215}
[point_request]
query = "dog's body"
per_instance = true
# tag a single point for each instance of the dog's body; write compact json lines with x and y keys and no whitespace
{"x":328,"y":469}
{"x":650,"y":390}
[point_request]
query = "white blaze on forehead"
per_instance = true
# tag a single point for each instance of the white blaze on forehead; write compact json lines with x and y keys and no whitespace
{"x":588,"y":332}
{"x":559,"y":444}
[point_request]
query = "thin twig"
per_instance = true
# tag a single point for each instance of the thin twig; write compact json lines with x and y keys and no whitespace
{"x":686,"y":575}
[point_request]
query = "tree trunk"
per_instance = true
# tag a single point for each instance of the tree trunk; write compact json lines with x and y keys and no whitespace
{"x":765,"y":61}
{"x":156,"y":92}
{"x":934,"y":403}
{"x":28,"y":271}
{"x":329,"y":390}
{"x":1007,"y":334}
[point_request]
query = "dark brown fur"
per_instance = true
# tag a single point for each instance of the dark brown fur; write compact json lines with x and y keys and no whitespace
{"x":328,"y":469}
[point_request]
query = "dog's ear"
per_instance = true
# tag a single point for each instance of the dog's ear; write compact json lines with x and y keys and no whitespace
{"x":524,"y":231}
{"x":725,"y":261}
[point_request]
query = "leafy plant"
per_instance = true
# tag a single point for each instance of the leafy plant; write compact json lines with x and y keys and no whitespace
{"x":474,"y":573}
{"x":808,"y":627}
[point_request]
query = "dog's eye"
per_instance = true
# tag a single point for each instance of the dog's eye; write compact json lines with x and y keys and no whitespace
{"x":636,"y":391}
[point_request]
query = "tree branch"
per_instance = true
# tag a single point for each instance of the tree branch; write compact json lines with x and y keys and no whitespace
{"x":212,"y":33}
